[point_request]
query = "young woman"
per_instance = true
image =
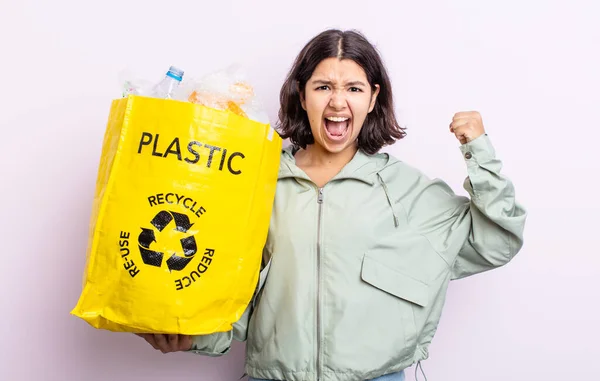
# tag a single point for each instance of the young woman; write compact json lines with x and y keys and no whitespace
{"x":361,"y":246}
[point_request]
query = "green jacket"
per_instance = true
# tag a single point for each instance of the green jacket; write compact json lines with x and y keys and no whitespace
{"x":359,"y":269}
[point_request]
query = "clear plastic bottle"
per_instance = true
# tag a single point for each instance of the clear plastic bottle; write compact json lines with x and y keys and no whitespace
{"x":165,"y":88}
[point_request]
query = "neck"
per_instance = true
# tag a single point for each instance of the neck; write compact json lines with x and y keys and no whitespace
{"x":314,"y":155}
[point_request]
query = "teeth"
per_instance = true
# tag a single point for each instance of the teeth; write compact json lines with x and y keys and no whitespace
{"x":336,"y":118}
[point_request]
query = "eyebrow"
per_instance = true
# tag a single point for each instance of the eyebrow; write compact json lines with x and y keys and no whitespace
{"x":323,"y":82}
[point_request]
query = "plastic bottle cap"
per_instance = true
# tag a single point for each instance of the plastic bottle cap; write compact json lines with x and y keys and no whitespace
{"x":175,"y":73}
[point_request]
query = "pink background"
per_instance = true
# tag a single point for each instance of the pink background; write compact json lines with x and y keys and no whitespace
{"x":531,"y":68}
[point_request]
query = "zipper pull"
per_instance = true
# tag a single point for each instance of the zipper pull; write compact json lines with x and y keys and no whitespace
{"x":320,"y":197}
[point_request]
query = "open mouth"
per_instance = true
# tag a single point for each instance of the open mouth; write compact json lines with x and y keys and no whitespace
{"x":337,"y":127}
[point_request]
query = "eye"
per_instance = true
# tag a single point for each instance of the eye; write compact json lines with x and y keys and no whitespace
{"x":324,"y":87}
{"x":355,"y":90}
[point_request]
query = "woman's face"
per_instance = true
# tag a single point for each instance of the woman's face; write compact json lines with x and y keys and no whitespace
{"x":337,"y":99}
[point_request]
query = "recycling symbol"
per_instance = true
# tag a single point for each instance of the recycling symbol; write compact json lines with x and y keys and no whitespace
{"x":160,"y":222}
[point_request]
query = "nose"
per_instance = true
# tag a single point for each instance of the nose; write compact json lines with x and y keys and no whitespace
{"x":337,"y":100}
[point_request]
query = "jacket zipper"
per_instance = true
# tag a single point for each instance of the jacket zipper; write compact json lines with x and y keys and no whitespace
{"x":319,"y":359}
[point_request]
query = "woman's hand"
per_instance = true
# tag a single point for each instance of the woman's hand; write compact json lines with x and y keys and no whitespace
{"x":168,"y":343}
{"x":467,"y":126}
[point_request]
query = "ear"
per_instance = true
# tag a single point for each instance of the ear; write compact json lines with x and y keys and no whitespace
{"x":374,"y":98}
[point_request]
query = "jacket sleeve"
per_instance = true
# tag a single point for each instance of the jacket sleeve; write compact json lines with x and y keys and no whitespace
{"x":218,"y":344}
{"x":472,"y":234}
{"x":497,"y":220}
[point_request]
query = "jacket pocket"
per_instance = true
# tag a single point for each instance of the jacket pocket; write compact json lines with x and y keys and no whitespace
{"x":408,"y":294}
{"x":394,"y":282}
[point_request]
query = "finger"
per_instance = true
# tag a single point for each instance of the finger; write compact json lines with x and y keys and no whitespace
{"x":161,"y":342}
{"x":461,"y":136}
{"x":465,"y":114}
{"x":458,"y":123}
{"x":173,"y":342}
{"x":462,"y":133}
{"x":150,"y":339}
{"x":185,"y":342}
{"x":462,"y":128}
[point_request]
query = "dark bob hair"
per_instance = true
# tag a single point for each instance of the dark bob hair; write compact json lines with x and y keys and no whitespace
{"x":380,"y":127}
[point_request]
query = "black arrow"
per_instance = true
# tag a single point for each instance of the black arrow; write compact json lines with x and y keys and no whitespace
{"x":152,"y":258}
{"x":189,"y":246}
{"x":182,"y":222}
{"x":146,"y":238}
{"x":178,"y":263}
{"x":161,"y":220}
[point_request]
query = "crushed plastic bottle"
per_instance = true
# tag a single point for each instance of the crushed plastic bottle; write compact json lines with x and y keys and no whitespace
{"x":166,"y":88}
{"x":225,"y":89}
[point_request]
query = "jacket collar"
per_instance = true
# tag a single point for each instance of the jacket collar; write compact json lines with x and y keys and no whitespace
{"x":360,"y":168}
